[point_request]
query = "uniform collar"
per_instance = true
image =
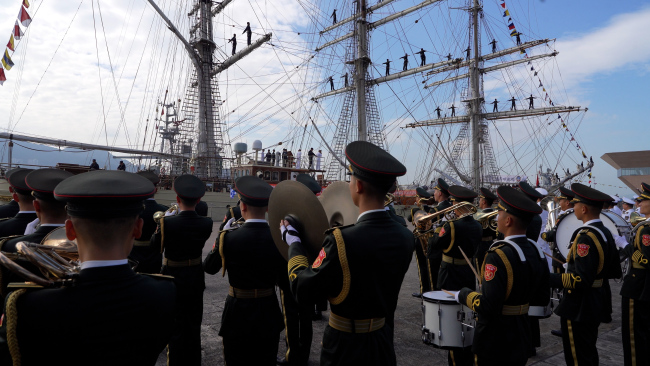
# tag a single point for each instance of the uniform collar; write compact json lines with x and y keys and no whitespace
{"x":26,"y":212}
{"x":594,"y":221}
{"x":95,"y":264}
{"x":511,"y":237}
{"x":369,"y":212}
{"x":254,"y":221}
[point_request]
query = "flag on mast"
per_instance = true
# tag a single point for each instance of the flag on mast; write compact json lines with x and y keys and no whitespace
{"x":18,"y":33}
{"x":6,"y":61}
{"x":11,"y":44}
{"x":25,"y":19}
{"x":3,"y":78}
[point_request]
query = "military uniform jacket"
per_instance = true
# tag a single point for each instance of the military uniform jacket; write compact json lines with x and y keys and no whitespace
{"x":534,"y":228}
{"x":506,"y":281}
{"x":487,"y":238}
{"x":9,"y":210}
{"x":455,"y":235}
{"x":636,"y":284}
{"x":232,"y":212}
{"x":437,"y":253}
{"x":395,"y":216}
{"x":110,"y":316}
{"x":253,"y":262}
{"x":362,"y":279}
{"x":17,"y":224}
{"x":591,"y":261}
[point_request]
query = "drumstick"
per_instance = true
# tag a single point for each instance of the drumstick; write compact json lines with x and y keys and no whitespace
{"x":553,"y":258}
{"x":449,"y":293}
{"x":470,"y":264}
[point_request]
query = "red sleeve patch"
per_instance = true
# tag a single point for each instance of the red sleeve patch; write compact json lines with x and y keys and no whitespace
{"x":583,"y":250}
{"x":442,"y":232}
{"x":320,"y":258}
{"x":646,"y":240}
{"x":490,"y":271}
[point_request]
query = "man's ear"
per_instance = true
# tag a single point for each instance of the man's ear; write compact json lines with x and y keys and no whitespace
{"x":15,"y":196}
{"x":137,"y":228}
{"x":70,"y":231}
{"x":359,"y":186}
{"x":37,"y":206}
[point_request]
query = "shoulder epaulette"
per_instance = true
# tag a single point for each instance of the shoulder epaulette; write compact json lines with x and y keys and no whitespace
{"x":228,"y":230}
{"x":329,"y":231}
{"x":27,"y":285}
{"x":6,"y":218}
{"x":157,"y":275}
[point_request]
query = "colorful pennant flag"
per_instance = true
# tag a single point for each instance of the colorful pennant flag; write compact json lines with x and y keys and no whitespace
{"x":10,"y":44}
{"x":503,"y":5}
{"x":18,"y":33}
{"x":25,"y":19}
{"x":26,"y":3}
{"x":513,"y":33}
{"x":506,"y":13}
{"x":511,"y":26}
{"x":2,"y":76}
{"x":6,"y":61}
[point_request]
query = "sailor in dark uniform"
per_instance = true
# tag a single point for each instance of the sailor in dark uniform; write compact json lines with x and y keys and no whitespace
{"x":511,"y":272}
{"x":115,"y":316}
{"x":635,"y":304}
{"x":360,"y":267}
{"x":251,"y":322}
{"x":11,"y":208}
{"x":592,"y":260}
{"x":23,"y":195}
{"x":149,"y":258}
{"x":51,"y":213}
{"x":486,"y":200}
{"x":182,"y":238}
{"x":462,"y":234}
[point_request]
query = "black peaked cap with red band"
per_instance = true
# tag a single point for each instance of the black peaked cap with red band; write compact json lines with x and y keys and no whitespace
{"x":589,"y":196}
{"x":422,"y":192}
{"x":154,"y":178}
{"x":442,"y":186}
{"x":253,"y":191}
{"x":529,"y":191}
{"x":43,"y":181}
{"x":17,"y":180}
{"x":644,"y":192}
{"x":460,"y":193}
{"x":104,"y":194}
{"x":566,"y":193}
{"x":310,"y":182}
{"x":517,"y":203}
{"x":372,"y":164}
{"x":189,"y":187}
{"x":486,"y":193}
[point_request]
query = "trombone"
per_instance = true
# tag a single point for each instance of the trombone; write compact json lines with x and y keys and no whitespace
{"x":424,"y":223}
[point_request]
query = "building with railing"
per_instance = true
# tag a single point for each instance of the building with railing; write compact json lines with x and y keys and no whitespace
{"x":632,"y":167}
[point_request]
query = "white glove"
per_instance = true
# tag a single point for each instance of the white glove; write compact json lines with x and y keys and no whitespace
{"x":620,"y":241}
{"x":564,"y":265}
{"x":230,"y":224}
{"x":167,"y":213}
{"x":31,"y":227}
{"x":289,"y":234}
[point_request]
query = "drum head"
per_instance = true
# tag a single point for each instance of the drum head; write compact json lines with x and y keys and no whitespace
{"x":438,"y":296}
{"x":569,"y":224}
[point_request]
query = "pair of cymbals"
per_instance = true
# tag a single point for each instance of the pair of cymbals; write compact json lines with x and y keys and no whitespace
{"x":316,"y":215}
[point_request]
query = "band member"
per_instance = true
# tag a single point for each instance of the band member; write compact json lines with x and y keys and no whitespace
{"x":254,"y":267}
{"x":360,"y":267}
{"x":51,"y":213}
{"x":10,"y":209}
{"x":564,"y":199}
{"x":114,"y":315}
{"x":424,"y":265}
{"x":232,"y":213}
{"x":462,"y":234}
{"x":182,"y":238}
{"x":23,"y":195}
{"x":636,"y":291}
{"x":441,"y":195}
{"x":486,"y":200}
{"x":512,"y":270}
{"x":592,"y":260}
{"x":628,"y":208}
{"x":149,"y":258}
{"x":391,"y":210}
{"x":535,"y":227}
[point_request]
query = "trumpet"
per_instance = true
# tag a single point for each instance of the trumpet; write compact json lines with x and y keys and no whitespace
{"x":173,"y":210}
{"x":424,"y":223}
{"x":487,"y":218}
{"x":636,"y":219}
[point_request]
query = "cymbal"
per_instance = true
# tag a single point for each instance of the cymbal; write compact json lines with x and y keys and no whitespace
{"x":338,"y":204}
{"x":294,"y":198}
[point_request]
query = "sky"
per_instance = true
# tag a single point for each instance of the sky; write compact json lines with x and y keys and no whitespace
{"x":55,"y":88}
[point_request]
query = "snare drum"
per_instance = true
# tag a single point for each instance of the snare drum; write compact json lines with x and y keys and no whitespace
{"x":447,"y":324}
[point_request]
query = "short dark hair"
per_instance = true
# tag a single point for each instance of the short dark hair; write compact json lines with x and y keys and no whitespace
{"x":188,"y":202}
{"x":104,"y":231}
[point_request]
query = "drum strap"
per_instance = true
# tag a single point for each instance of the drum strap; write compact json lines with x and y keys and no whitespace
{"x":517,"y":248}
{"x":541,"y":252}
